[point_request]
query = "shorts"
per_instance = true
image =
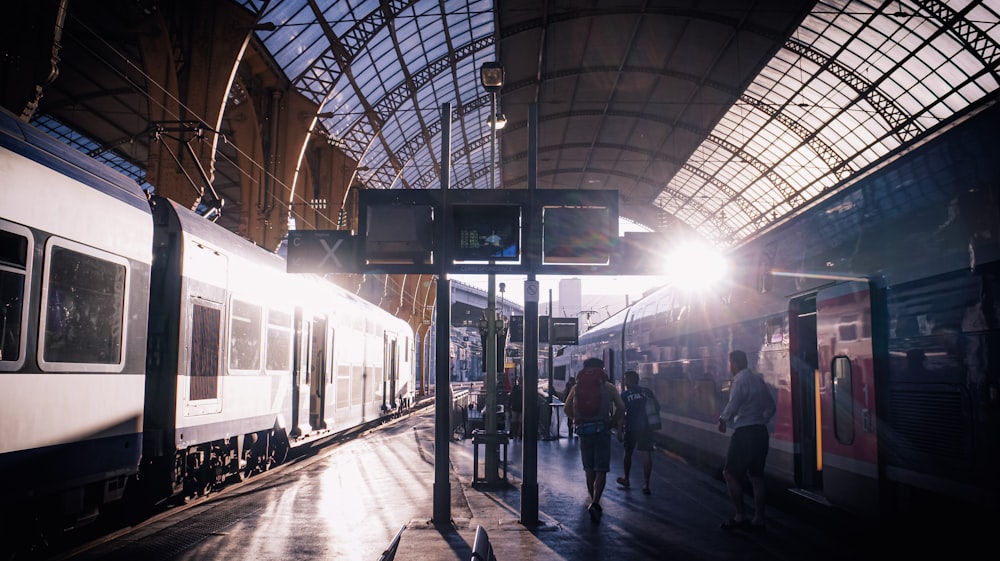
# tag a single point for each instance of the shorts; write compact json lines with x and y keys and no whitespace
{"x":595,"y":451}
{"x":748,"y":451}
{"x":641,"y":440}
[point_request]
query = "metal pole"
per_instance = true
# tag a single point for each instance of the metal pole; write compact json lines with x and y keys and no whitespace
{"x":550,"y":346}
{"x":490,"y":417}
{"x":529,"y":457}
{"x":442,"y":390}
{"x":492,"y":456}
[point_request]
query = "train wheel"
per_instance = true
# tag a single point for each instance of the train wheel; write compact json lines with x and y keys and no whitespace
{"x":244,"y":462}
{"x":249,"y":464}
{"x":279,"y":449}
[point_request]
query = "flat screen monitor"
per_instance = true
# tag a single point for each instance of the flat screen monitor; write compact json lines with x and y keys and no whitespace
{"x":399,"y":234}
{"x":486,"y":232}
{"x":577,"y":235}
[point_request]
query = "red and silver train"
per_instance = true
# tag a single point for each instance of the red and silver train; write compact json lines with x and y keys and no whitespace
{"x":143,"y":346}
{"x":875,"y":317}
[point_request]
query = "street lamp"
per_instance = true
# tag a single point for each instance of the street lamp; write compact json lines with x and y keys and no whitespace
{"x":497,"y":121}
{"x":491,"y":75}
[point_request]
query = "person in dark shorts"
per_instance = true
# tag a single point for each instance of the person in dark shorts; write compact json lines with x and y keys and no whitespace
{"x":594,"y":427}
{"x":750,"y":408}
{"x":638,"y":434}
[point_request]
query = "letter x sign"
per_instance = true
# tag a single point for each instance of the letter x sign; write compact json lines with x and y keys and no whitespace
{"x":321,"y":251}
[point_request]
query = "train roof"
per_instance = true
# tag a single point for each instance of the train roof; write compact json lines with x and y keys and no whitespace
{"x":25,"y":140}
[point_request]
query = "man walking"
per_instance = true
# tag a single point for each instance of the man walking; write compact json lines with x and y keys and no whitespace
{"x":594,"y":406}
{"x":750,"y":408}
{"x":638,"y":433}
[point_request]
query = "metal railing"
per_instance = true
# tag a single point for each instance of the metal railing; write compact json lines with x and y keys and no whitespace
{"x":481,"y":548}
{"x":390,"y":552}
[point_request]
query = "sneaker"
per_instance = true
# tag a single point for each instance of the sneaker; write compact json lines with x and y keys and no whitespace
{"x":623,"y":482}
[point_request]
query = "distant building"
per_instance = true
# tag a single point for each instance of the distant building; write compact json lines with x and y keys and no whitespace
{"x":570,"y":298}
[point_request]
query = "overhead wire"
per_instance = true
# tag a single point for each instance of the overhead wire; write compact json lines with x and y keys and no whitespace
{"x":195,"y":117}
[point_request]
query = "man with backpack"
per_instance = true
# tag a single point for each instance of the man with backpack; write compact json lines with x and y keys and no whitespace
{"x":594,"y":406}
{"x":642,"y":417}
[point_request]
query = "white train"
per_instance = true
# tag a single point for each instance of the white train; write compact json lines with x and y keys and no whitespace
{"x":143,"y":344}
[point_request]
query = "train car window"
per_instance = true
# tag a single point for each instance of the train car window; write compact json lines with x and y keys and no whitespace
{"x":278,"y":354}
{"x":15,"y":247}
{"x":847,"y":329}
{"x":343,"y":386}
{"x":244,"y":336}
{"x":374,"y":382}
{"x":843,"y":402}
{"x":357,"y":385}
{"x":774,"y":330}
{"x":206,"y":325}
{"x":84,"y":294}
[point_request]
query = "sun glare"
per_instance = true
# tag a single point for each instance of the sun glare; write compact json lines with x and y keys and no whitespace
{"x":695,"y":266}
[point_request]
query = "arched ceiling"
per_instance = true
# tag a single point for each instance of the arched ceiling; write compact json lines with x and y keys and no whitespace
{"x":719,"y":118}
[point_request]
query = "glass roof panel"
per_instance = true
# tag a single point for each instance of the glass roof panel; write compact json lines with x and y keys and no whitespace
{"x":86,"y":145}
{"x":862,"y":81}
{"x":294,"y":35}
{"x":412,"y":51}
{"x":857,"y":80}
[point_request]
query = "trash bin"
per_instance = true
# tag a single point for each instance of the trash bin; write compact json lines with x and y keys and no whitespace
{"x":499,"y":441}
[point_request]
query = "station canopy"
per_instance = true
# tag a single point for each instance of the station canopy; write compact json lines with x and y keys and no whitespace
{"x":717,"y":118}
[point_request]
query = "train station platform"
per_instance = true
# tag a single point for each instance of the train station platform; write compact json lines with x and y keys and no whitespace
{"x":680,"y":519}
{"x":370,"y":498}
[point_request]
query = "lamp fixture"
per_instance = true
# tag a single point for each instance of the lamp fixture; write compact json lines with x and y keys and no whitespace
{"x":499,"y":122}
{"x":491,"y":75}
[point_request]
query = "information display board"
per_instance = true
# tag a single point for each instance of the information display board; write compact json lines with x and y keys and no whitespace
{"x":472,"y":231}
{"x":486,"y":232}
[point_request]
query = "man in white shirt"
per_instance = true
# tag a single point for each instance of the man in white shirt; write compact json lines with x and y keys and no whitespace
{"x":750,"y":408}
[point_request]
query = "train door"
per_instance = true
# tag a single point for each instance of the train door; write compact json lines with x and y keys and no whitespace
{"x":205,"y":348}
{"x":204,"y":342}
{"x":317,"y":370}
{"x":847,"y":441}
{"x":610,"y":366}
{"x":805,"y":394}
{"x":300,"y":376}
{"x":390,"y":372}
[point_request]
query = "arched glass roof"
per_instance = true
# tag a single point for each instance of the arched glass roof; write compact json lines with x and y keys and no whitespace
{"x":856,"y":81}
{"x":382,"y":72}
{"x":853,"y":82}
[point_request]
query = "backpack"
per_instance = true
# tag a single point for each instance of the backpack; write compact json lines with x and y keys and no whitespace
{"x":589,"y":395}
{"x":652,"y":410}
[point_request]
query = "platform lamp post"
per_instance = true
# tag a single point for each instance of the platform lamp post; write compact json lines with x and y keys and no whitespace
{"x":491,"y":75}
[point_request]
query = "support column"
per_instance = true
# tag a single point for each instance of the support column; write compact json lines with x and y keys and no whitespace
{"x":529,"y":468}
{"x":442,"y":401}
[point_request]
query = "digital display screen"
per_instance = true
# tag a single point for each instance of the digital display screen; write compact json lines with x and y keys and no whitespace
{"x":564,"y":331}
{"x":577,"y":235}
{"x":486,"y":232}
{"x":399,"y":234}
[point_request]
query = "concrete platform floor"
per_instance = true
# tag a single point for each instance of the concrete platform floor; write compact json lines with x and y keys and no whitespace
{"x":348,"y":502}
